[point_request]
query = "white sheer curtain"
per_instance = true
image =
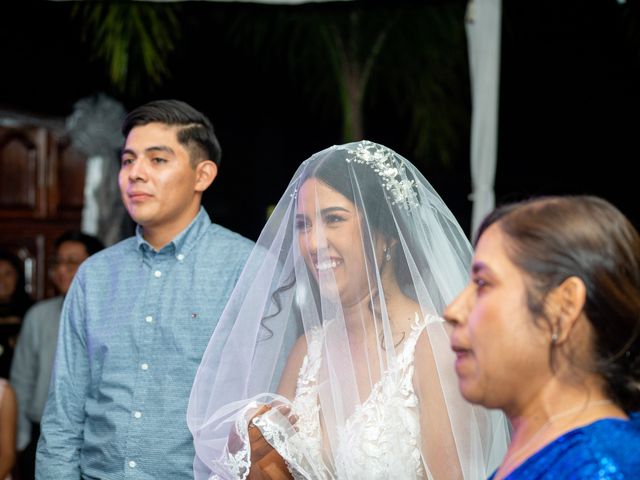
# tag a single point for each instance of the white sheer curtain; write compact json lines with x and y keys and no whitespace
{"x":483,"y":36}
{"x":94,"y":128}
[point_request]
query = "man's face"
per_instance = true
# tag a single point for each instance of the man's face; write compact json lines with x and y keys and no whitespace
{"x":159,"y":187}
{"x":68,"y":258}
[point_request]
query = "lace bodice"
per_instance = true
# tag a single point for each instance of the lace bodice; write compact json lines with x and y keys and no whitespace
{"x":380,"y":440}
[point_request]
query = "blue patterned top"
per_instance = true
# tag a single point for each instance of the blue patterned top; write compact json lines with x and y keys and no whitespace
{"x":133,"y":329}
{"x":608,"y":449}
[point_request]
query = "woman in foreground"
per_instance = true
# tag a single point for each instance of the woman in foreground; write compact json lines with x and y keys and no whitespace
{"x":549,"y":332}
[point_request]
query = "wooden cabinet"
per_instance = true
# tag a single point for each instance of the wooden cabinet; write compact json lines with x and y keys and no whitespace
{"x":41,"y":192}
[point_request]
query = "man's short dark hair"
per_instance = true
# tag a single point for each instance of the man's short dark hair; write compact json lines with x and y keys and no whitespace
{"x":91,"y":243}
{"x":196,"y":132}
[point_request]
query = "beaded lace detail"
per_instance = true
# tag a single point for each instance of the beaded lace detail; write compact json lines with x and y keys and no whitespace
{"x":368,"y":442}
{"x":384,"y":162}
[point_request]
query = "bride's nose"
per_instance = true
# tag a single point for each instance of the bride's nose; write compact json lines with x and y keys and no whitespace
{"x":316,"y":240}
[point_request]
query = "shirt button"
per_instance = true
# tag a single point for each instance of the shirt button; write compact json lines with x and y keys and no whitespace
{"x":132,"y":464}
{"x":144,"y":366}
{"x":157,"y":273}
{"x":148,"y":319}
{"x":137,"y":414}
{"x":180,"y":257}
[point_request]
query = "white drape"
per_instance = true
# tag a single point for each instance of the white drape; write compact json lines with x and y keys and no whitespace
{"x":483,"y":36}
{"x":94,"y":128}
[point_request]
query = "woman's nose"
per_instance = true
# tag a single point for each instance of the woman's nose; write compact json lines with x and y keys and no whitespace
{"x":457,"y":311}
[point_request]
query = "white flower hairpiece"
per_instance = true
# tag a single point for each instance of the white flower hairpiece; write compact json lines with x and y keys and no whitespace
{"x":382,"y":161}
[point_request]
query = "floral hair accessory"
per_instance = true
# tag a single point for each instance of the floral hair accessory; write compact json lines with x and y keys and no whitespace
{"x":394,"y":179}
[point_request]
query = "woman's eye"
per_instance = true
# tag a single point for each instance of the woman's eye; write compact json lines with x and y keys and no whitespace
{"x":480,"y":283}
{"x":126,"y":161}
{"x":334,"y":219}
{"x":301,"y":225}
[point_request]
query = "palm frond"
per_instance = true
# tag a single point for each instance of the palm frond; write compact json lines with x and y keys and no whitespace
{"x":126,"y":34}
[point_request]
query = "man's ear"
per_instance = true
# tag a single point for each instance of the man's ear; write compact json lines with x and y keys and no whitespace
{"x":206,"y":172}
{"x":566,"y":305}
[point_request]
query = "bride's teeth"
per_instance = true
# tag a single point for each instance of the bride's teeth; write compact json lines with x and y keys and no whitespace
{"x":327,"y":265}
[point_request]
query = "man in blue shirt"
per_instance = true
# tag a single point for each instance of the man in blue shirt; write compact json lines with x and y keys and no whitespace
{"x":139,"y":314}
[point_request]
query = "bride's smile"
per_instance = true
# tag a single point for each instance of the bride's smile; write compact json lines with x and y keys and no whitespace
{"x":331,"y":240}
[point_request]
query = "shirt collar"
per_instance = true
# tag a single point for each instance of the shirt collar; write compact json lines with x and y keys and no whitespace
{"x":184,"y":241}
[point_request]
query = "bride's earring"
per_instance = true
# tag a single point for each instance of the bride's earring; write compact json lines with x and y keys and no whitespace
{"x":387,"y":253}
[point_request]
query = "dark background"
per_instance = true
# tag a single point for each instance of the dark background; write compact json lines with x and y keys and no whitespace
{"x":569,"y":100}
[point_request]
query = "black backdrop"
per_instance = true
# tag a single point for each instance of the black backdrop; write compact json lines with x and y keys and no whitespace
{"x":568,"y":108}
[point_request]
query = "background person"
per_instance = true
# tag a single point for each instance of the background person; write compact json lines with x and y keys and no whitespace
{"x":14,"y":302}
{"x":36,"y":347}
{"x":8,"y":421}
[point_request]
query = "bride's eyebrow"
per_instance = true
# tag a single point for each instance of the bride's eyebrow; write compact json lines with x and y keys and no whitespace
{"x":327,"y":210}
{"x":323,"y":212}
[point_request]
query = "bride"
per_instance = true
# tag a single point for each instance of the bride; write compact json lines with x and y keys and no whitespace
{"x":353,"y":269}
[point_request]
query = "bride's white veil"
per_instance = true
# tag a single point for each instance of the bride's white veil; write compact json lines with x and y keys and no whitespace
{"x":359,"y":259}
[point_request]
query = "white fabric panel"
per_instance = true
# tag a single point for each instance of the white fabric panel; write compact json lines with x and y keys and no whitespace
{"x":483,"y":36}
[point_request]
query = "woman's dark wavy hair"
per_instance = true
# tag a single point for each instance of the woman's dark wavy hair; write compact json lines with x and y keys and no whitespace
{"x":20,"y":300}
{"x":554,"y":238}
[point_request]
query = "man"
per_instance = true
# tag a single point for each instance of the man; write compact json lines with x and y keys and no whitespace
{"x":139,"y":314}
{"x":36,"y":347}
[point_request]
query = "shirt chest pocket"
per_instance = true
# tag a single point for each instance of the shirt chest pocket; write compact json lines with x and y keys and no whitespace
{"x":191,"y":329}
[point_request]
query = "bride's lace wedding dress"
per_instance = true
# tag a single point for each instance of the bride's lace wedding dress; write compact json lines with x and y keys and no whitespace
{"x":381,"y":438}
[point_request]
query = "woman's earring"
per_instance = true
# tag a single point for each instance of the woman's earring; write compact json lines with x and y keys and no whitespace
{"x":554,"y":338}
{"x":387,"y":254}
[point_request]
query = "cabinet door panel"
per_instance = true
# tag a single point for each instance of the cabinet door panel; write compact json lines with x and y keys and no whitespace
{"x":21,"y":172}
{"x":41,"y":195}
{"x":69,"y":181}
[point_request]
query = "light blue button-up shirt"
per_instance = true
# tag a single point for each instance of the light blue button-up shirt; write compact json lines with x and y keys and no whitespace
{"x":32,"y":363}
{"x":134,"y":326}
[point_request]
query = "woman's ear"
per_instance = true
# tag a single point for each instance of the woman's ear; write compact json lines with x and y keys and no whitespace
{"x":391,"y":243}
{"x":565,"y":306}
{"x":206,"y":172}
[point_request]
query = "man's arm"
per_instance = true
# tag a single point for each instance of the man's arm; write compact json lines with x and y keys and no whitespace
{"x":23,"y":374}
{"x":62,"y":427}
